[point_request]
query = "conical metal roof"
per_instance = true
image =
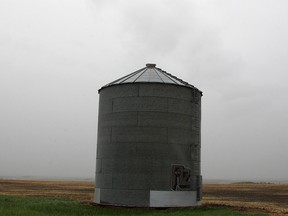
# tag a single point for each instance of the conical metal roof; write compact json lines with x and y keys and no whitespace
{"x":150,"y":74}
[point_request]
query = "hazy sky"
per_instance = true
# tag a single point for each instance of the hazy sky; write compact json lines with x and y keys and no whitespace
{"x":56,"y":54}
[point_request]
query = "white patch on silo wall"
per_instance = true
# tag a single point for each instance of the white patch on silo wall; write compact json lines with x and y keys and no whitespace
{"x":97,"y":195}
{"x":173,"y":198}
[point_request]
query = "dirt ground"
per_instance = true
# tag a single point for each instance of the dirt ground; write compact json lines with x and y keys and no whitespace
{"x":76,"y":190}
{"x":270,"y":198}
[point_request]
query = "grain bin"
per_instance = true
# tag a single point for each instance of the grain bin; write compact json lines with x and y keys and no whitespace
{"x":148,"y":146}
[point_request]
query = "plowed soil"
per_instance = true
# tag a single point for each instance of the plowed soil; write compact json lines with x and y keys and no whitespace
{"x":76,"y":190}
{"x":269,"y":198}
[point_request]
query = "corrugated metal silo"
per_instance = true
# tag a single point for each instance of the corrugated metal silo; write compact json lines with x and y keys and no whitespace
{"x":148,"y":147}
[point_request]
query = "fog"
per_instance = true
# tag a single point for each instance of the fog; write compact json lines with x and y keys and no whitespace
{"x":56,"y":54}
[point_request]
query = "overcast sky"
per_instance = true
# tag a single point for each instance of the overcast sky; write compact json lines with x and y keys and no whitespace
{"x":56,"y":54}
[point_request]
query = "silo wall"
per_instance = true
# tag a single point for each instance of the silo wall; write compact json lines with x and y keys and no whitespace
{"x":148,"y":147}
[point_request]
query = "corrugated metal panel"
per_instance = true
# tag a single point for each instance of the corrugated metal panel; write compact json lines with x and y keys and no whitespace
{"x":149,"y":141}
{"x":150,"y":74}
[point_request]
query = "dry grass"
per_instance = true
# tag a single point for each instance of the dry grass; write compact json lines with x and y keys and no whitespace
{"x":270,"y":198}
{"x":76,"y":190}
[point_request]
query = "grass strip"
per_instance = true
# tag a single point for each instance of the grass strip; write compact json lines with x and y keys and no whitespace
{"x":41,"y":206}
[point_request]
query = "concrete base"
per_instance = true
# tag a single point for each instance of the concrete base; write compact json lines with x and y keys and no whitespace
{"x":157,"y":199}
{"x":97,"y":195}
{"x":173,"y":198}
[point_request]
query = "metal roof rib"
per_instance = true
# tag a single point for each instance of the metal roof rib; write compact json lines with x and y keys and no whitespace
{"x":132,"y":74}
{"x":158,"y":74}
{"x":164,"y":73}
{"x":140,"y":74}
{"x":179,"y":80}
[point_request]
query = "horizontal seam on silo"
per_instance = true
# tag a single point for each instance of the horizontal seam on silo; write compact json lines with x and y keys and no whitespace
{"x":182,"y":114}
{"x":157,"y":112}
{"x":148,"y":96}
{"x":156,"y":127}
{"x":152,"y":83}
{"x":140,"y":190}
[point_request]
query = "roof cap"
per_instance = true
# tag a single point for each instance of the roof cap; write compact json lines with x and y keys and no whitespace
{"x":149,"y":65}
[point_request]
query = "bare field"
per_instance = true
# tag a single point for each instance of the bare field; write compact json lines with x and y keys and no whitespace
{"x":270,"y":198}
{"x":76,"y":190}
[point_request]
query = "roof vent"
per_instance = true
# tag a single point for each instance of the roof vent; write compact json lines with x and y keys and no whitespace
{"x":150,"y":65}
